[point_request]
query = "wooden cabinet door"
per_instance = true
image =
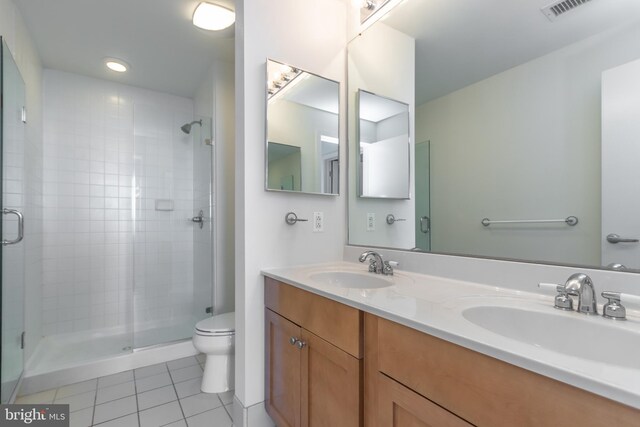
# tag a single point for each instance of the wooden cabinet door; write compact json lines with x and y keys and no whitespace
{"x":282,"y":369}
{"x":399,"y":406}
{"x":331,"y":385}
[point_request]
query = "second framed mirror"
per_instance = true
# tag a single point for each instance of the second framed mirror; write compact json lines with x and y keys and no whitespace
{"x":303,"y":145}
{"x":383,"y":138}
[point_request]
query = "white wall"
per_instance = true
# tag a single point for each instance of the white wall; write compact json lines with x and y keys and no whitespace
{"x":110,"y":152}
{"x":367,"y":72}
{"x":224,"y":186}
{"x":524,"y":143}
{"x":310,"y":35}
{"x":390,"y":155}
{"x":15,"y":34}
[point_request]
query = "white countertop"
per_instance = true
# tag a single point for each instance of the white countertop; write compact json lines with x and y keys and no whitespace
{"x":435,"y":305}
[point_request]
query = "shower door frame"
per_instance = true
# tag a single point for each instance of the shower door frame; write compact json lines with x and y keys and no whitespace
{"x":16,"y":382}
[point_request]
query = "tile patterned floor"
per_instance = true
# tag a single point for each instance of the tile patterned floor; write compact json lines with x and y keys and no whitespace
{"x":166,"y":394}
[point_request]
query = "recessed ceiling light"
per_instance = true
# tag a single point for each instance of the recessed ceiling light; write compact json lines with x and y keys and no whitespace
{"x":117,"y":65}
{"x":213,"y":17}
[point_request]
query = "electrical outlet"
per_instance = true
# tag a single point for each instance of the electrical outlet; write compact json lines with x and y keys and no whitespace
{"x":371,"y":222}
{"x":318,"y":222}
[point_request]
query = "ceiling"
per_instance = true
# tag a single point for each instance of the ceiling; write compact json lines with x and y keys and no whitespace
{"x":315,"y":92}
{"x":460,"y":42}
{"x":375,"y":108}
{"x":156,"y":37}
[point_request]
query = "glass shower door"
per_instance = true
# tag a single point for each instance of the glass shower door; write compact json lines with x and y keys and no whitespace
{"x":172,"y":222}
{"x":12,"y":96}
{"x":203,"y":255}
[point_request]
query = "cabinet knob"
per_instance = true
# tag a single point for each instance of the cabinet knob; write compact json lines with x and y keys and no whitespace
{"x":293,"y":340}
{"x":301,"y":344}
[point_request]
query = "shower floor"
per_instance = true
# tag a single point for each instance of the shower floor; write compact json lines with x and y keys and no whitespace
{"x":63,"y":351}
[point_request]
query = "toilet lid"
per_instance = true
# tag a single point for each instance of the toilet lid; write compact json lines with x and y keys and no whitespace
{"x":221,"y":323}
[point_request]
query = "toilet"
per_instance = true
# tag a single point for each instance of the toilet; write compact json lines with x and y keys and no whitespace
{"x":215,"y":338}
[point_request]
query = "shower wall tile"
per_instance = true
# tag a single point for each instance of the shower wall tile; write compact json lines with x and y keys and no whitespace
{"x":110,"y":151}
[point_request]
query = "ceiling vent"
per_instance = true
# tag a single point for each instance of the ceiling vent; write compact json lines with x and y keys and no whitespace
{"x":560,"y":7}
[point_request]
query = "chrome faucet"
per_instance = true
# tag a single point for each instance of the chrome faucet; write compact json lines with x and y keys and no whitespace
{"x":377,"y":265}
{"x":580,"y":285}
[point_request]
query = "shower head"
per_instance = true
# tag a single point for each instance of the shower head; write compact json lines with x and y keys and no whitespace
{"x":186,"y":128}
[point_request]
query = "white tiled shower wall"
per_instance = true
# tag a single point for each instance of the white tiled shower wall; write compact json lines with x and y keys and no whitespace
{"x":110,"y":152}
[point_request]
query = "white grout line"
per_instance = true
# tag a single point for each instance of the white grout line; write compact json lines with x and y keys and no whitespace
{"x":177,"y":397}
{"x":135,"y":388}
{"x":136,"y":394}
{"x":95,"y":400}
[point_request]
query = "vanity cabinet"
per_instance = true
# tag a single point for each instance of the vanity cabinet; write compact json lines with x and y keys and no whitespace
{"x":283,"y":363}
{"x":328,"y":364}
{"x":399,"y":406}
{"x":423,"y":371}
{"x":313,"y":354}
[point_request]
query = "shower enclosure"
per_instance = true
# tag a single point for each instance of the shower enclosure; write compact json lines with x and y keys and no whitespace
{"x":12,"y":249}
{"x":125,"y":266}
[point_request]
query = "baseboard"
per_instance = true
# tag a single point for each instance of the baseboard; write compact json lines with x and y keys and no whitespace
{"x":253,"y":416}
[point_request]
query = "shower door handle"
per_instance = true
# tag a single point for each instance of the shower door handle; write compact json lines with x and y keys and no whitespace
{"x":20,"y":226}
{"x":199,"y":219}
{"x":425,"y":224}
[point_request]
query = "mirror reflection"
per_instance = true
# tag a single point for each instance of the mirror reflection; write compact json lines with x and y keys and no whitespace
{"x":525,"y":122}
{"x":284,"y":168}
{"x":302,"y":153}
{"x":383,"y":134}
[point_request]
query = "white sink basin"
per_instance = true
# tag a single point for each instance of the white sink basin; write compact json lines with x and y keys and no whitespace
{"x":586,"y":338}
{"x":352,"y":280}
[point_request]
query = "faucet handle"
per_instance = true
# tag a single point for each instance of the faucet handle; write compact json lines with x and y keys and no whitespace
{"x":549,"y":286}
{"x":387,"y":267}
{"x":562,"y":301}
{"x":613,"y":309}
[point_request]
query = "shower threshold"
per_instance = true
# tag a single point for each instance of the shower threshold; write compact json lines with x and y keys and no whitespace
{"x":39,"y":380}
{"x":79,"y":354}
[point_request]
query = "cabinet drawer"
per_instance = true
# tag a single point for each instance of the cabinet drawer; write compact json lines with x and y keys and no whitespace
{"x":402,"y":407}
{"x":336,"y":323}
{"x":486,"y":391}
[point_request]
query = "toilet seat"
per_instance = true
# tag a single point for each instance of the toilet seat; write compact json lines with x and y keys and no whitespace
{"x":216,"y":326}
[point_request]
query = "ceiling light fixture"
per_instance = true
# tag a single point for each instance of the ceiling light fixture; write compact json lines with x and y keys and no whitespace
{"x":213,"y":17}
{"x":117,"y":65}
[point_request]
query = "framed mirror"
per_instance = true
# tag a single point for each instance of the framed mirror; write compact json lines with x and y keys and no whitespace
{"x":383,"y":138}
{"x":303,"y":144}
{"x":284,"y":171}
{"x":523,"y":147}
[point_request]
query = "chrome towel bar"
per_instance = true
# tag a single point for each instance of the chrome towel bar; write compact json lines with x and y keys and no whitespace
{"x":570,"y":220}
